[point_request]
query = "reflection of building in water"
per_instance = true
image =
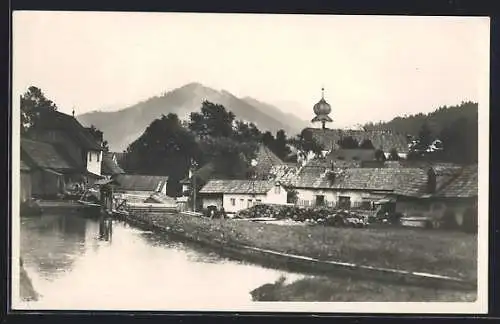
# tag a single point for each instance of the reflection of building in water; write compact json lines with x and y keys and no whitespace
{"x":105,"y":229}
{"x":51,"y":243}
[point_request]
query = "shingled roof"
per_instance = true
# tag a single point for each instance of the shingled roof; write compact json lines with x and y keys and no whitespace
{"x":351,"y":155}
{"x":266,"y":160}
{"x":386,"y":140}
{"x":463,"y":185}
{"x":109,"y":166}
{"x":237,"y":187}
{"x":136,"y":182}
{"x":398,"y":180}
{"x":58,"y":120}
{"x":45,"y":155}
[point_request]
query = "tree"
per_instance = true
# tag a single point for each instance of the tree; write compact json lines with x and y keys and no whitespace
{"x":424,"y":138}
{"x":165,"y":148}
{"x":280,"y":147}
{"x":366,"y":144}
{"x":305,"y":142}
{"x":33,"y":103}
{"x":214,"y":120}
{"x":348,"y":142}
{"x":246,"y":132}
{"x":393,"y":155}
{"x":99,"y":136}
{"x":268,"y":139}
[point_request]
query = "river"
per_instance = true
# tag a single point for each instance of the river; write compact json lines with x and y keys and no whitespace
{"x":78,"y":263}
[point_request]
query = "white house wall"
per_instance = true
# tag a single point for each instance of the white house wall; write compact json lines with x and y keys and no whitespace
{"x":242,"y":201}
{"x":94,"y":160}
{"x":307,"y":197}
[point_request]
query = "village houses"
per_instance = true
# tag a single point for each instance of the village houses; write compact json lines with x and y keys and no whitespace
{"x":235,"y":195}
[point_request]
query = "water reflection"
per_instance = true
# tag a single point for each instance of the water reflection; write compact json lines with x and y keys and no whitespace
{"x":110,"y":265}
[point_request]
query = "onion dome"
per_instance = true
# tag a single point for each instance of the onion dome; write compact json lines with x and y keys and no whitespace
{"x":322,"y":109}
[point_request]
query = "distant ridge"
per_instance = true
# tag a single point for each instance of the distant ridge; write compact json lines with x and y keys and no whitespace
{"x":124,"y":126}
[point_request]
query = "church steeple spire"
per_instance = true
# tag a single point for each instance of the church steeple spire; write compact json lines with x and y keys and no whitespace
{"x":322,"y":109}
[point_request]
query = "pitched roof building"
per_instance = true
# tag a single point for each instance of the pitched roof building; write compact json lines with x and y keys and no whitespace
{"x":45,"y":156}
{"x":142,"y":183}
{"x":237,"y":186}
{"x":110,"y":165}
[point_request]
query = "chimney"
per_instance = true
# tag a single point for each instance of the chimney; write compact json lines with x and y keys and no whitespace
{"x":431,"y":181}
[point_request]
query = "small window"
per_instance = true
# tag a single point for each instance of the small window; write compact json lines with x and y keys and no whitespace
{"x":259,"y":200}
{"x":249,"y":203}
{"x":242,"y":202}
{"x":233,"y":201}
{"x":98,"y":156}
{"x":90,"y":156}
{"x":277,"y":190}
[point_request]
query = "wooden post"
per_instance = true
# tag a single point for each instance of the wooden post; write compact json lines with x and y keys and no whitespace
{"x":194,"y":193}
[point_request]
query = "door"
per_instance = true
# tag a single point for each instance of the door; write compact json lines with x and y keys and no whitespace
{"x":320,"y":200}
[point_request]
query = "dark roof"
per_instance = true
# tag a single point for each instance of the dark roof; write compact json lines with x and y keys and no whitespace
{"x":373,"y":179}
{"x":45,"y":155}
{"x":238,"y":186}
{"x":266,"y":159}
{"x":58,"y":120}
{"x":109,"y":166}
{"x":120,"y":156}
{"x":463,"y":185}
{"x":136,"y":182}
{"x":24,"y":166}
{"x":380,"y":139}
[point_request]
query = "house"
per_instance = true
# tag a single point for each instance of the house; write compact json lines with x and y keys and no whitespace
{"x":77,"y":141}
{"x":140,"y":187}
{"x":51,"y":170}
{"x":109,"y":165}
{"x":25,"y":183}
{"x":347,"y":155}
{"x":321,"y":185}
{"x":235,"y":195}
{"x":449,"y":191}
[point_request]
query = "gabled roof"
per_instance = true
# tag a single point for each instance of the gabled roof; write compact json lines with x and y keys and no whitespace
{"x":136,"y":182}
{"x":45,"y":155}
{"x":380,"y":139}
{"x":58,"y":120}
{"x":463,"y":185}
{"x":266,"y":159}
{"x":237,"y":186}
{"x":372,"y":179}
{"x":109,"y":166}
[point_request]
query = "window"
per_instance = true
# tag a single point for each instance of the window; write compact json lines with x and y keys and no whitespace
{"x":90,"y":156}
{"x":344,"y":202}
{"x":242,"y":202}
{"x":277,"y":189}
{"x":98,"y":156}
{"x":233,"y":201}
{"x":320,"y":200}
{"x":249,"y":203}
{"x":258,"y":200}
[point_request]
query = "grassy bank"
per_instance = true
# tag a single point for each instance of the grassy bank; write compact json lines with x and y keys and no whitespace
{"x":444,"y":253}
{"x":326,"y":289}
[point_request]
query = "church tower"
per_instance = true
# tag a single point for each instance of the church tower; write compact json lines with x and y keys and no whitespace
{"x":321,"y":110}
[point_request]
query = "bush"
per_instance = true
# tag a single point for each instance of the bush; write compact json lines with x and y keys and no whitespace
{"x":449,"y":221}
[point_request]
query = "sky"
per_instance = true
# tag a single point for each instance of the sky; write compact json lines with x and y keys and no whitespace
{"x":372,"y":67}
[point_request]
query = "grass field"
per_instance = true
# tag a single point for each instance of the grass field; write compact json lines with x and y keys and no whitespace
{"x":327,"y":289}
{"x":438,"y":252}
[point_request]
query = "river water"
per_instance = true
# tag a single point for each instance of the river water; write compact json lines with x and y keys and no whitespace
{"x":78,"y":263}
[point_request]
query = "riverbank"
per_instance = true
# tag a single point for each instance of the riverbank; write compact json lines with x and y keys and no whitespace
{"x":411,"y":250}
{"x":327,"y":289}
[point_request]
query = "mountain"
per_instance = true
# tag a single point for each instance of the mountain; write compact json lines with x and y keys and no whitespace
{"x":295,"y":123}
{"x":124,"y":126}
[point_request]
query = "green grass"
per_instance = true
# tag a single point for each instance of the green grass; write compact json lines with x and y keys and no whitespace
{"x":445,"y":253}
{"x":326,"y":289}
